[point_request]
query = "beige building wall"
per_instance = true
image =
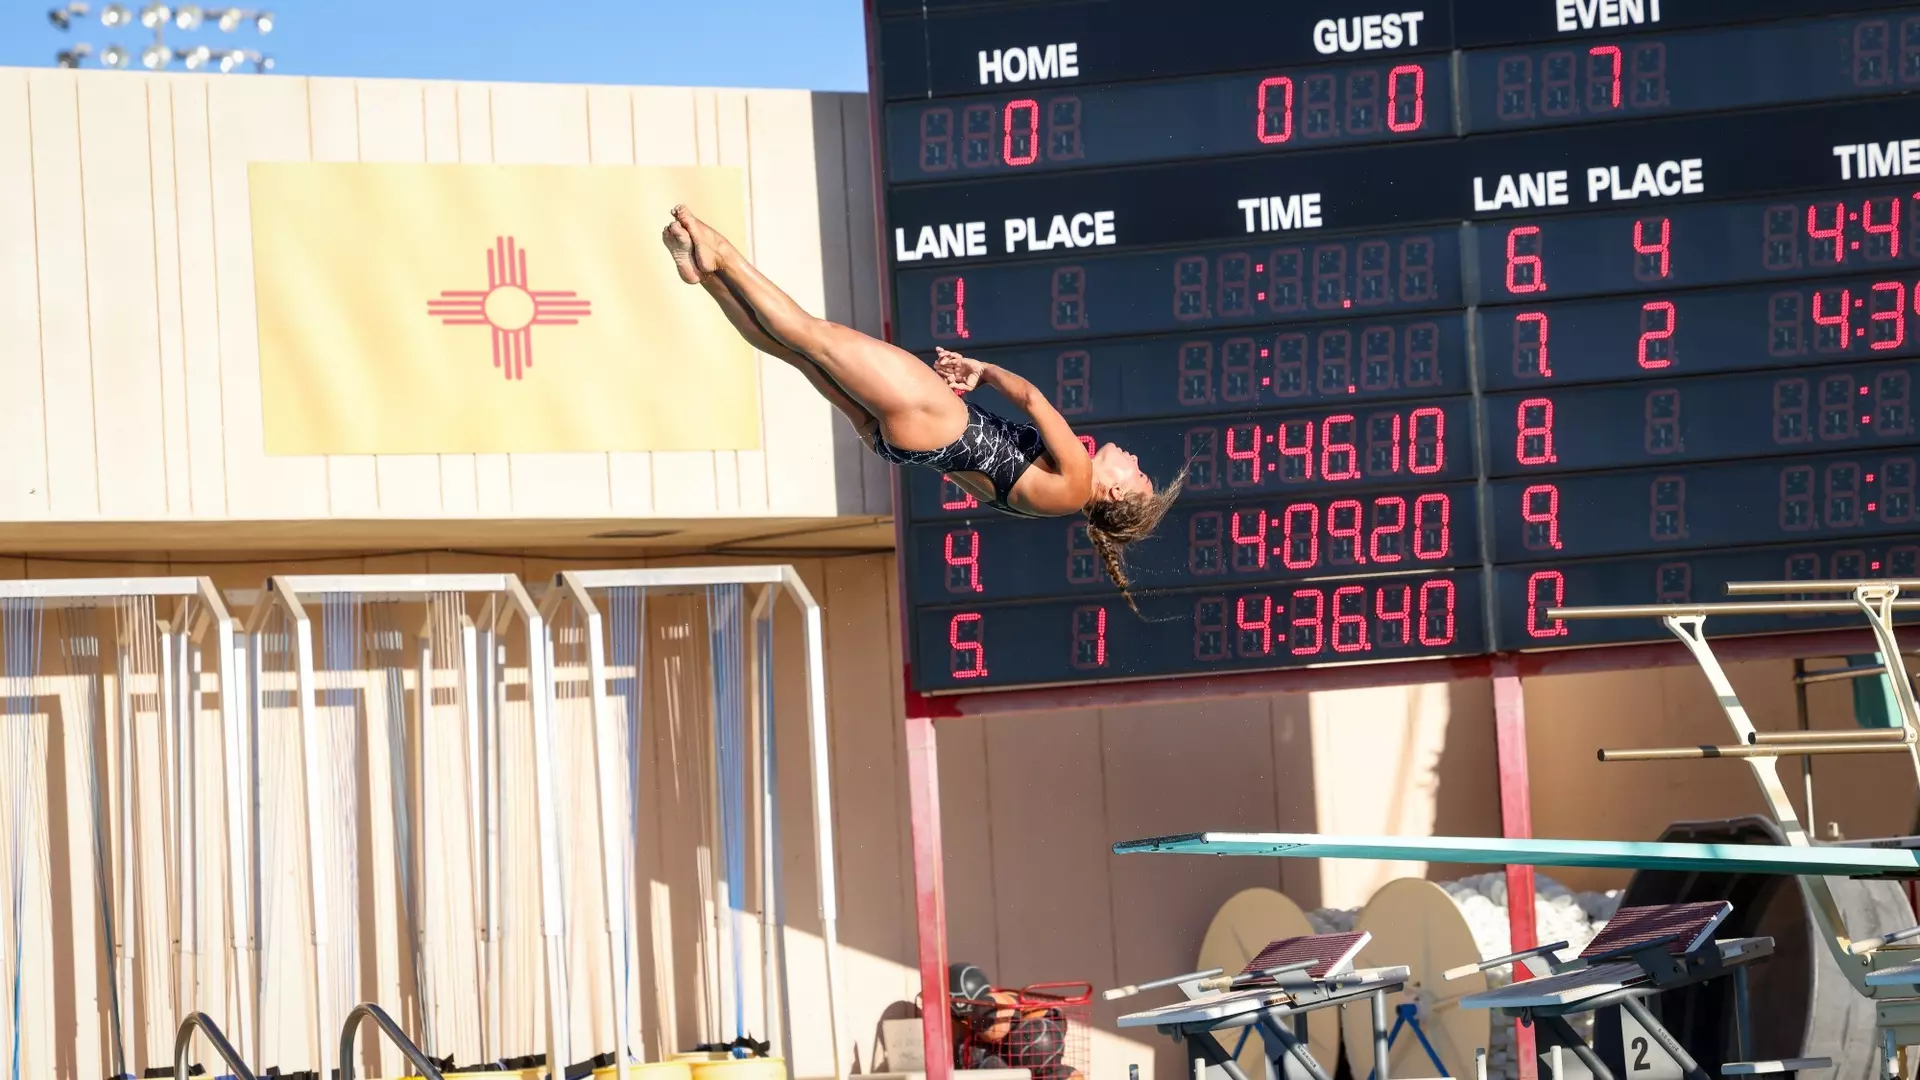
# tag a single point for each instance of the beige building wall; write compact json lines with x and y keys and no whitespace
{"x":129,"y":374}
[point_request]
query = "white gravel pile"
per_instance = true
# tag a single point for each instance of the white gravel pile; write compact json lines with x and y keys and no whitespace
{"x":1559,"y":914}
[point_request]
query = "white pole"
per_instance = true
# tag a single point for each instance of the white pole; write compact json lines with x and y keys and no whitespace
{"x":315,"y":820}
{"x":553,"y":915}
{"x":822,"y":761}
{"x":612,"y":879}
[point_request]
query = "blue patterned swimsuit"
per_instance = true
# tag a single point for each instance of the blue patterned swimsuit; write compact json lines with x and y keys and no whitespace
{"x":992,"y":446}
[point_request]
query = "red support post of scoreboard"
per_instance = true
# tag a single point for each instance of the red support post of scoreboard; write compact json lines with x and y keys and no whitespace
{"x":1516,"y":823}
{"x":929,"y":893}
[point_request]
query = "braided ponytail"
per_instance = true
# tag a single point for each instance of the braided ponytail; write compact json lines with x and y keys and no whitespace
{"x":1112,"y":524}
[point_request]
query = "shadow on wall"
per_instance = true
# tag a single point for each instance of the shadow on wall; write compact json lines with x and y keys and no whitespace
{"x":850,"y":273}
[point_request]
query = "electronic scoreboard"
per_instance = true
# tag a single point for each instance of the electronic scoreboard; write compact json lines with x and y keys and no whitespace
{"x":1453,"y":313}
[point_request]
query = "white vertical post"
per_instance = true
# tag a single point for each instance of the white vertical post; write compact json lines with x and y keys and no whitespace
{"x":612,"y":877}
{"x":546,"y":784}
{"x":822,"y":761}
{"x":305,"y":690}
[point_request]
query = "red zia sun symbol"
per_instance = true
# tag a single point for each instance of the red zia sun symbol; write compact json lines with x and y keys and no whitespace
{"x":509,"y":307}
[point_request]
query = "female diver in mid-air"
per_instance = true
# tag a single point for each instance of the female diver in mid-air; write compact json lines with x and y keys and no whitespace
{"x":911,"y":414}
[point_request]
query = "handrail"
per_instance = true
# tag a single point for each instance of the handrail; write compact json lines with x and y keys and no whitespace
{"x":369,"y":1010}
{"x":183,"y":1041}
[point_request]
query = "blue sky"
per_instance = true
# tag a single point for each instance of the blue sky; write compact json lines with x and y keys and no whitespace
{"x":801,"y":44}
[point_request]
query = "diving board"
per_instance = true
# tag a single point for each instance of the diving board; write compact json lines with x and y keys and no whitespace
{"x":1604,"y":854}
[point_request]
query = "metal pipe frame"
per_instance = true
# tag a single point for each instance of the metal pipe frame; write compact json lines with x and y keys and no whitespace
{"x":577,"y":587}
{"x":183,"y":1041}
{"x":1791,"y":738}
{"x":288,"y":594}
{"x":185,"y":698}
{"x":1877,"y":600}
{"x":367,"y":1010}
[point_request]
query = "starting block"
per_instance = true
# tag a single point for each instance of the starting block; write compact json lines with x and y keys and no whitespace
{"x":1641,"y":952}
{"x":1273,"y":994}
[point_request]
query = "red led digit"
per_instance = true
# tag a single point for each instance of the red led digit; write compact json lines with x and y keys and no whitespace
{"x":1883,"y":239}
{"x":1350,"y":628}
{"x":1530,"y":357}
{"x":1028,"y":139}
{"x":1897,"y":315}
{"x":1429,"y":441}
{"x":1072,"y":388}
{"x":936,"y":140}
{"x":968,"y":560}
{"x":1653,"y":356}
{"x":1387,"y":530}
{"x":1238,"y":379}
{"x":1210,"y":628}
{"x":949,"y":307}
{"x":1419,"y":110}
{"x":955,"y":497}
{"x":1084,"y":565}
{"x":1843,"y":320}
{"x":1661,"y":247}
{"x":1796,"y":498}
{"x":1090,"y":637}
{"x":1256,"y":540}
{"x":1338,"y":461}
{"x":1534,"y":443}
{"x":1063,"y":129}
{"x":1205,"y":549}
{"x":970,"y":650}
{"x":1525,"y":274}
{"x":1196,"y":373}
{"x":1087,"y":441}
{"x":1244,"y":457}
{"x":1432,"y":516}
{"x":1347,"y":510}
{"x":1834,"y":235}
{"x":1311,"y":618}
{"x":1436,"y":612}
{"x":1402,"y":616}
{"x":1546,"y":589}
{"x":1893,"y":403}
{"x":1294,"y":535}
{"x":1248,"y":626}
{"x":1540,"y":509}
{"x":1612,"y":53}
{"x":1304,"y":452}
{"x":1271,"y":110}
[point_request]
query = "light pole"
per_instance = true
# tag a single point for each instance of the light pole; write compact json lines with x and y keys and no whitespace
{"x":157,"y":54}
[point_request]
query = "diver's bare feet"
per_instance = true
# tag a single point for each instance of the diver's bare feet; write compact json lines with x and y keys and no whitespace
{"x":680,"y":245}
{"x":698,"y":251}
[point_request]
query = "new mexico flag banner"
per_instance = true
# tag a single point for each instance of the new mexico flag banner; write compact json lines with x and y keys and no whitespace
{"x":423,"y":309}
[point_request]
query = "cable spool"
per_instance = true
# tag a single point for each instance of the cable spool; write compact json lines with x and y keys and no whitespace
{"x":1243,"y":926}
{"x":1415,"y":923}
{"x":1802,"y":1004}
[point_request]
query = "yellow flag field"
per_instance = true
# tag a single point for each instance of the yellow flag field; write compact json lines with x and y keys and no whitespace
{"x":422,"y":309}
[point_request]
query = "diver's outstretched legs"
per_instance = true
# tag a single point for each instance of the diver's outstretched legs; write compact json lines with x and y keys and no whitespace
{"x":913,"y":405}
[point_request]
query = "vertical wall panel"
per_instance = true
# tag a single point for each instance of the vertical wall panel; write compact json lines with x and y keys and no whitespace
{"x":610,"y":137}
{"x":205,"y":424}
{"x":683,"y":480}
{"x":23,"y":445}
{"x":548,"y":125}
{"x":65,"y":338}
{"x":172,"y":406}
{"x":473,"y":107}
{"x":333,"y":126}
{"x":253,"y":120}
{"x":440,"y":133}
{"x":740,"y":476}
{"x":116,"y":195}
{"x":864,"y":260}
{"x":391,"y":118}
{"x":786,"y":221}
